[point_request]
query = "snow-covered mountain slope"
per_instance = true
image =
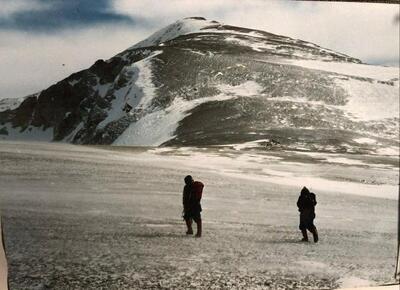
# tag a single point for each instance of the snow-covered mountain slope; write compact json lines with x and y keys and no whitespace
{"x":199,"y":82}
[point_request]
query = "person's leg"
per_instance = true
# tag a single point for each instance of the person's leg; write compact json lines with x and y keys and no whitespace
{"x":314,"y":232}
{"x":305,"y":236}
{"x":189,"y":223}
{"x":315,"y":235}
{"x":199,"y":227}
{"x":197,"y":219}
{"x":303,"y":227}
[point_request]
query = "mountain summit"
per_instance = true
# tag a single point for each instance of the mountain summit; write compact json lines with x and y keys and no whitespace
{"x":199,"y":82}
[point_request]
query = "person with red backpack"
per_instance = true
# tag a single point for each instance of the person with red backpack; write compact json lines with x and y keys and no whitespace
{"x":192,"y":193}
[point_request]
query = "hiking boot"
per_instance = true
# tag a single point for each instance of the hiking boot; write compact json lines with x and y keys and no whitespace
{"x":189,"y":232}
{"x":304,"y":240}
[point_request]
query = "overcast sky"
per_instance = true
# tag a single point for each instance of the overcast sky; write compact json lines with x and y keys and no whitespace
{"x":44,"y":41}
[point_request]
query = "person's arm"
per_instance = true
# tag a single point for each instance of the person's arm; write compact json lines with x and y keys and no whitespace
{"x":186,"y":198}
{"x":314,"y":199}
{"x":299,"y":203}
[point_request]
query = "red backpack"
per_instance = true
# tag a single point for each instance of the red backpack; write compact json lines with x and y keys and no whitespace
{"x":198,"y":189}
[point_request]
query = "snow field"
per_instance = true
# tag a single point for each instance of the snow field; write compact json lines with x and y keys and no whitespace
{"x":109,"y":217}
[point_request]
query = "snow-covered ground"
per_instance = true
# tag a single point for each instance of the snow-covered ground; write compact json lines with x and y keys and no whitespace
{"x":370,"y":101}
{"x":110,"y":217}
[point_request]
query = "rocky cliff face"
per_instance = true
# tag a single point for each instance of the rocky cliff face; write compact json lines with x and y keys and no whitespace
{"x":199,"y":82}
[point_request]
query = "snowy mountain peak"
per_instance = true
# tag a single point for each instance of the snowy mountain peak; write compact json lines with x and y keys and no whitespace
{"x":247,"y":38}
{"x":200,"y":82}
{"x":181,"y":27}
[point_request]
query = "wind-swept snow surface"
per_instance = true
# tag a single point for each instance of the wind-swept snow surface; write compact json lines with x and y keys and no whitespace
{"x":110,"y":217}
{"x":370,"y":101}
{"x":279,"y":168}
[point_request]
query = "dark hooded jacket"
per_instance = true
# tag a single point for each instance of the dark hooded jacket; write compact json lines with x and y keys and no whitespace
{"x":306,"y":202}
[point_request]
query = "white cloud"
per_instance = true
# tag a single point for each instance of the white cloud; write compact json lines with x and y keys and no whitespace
{"x":9,"y":7}
{"x":30,"y":63}
{"x":172,"y":9}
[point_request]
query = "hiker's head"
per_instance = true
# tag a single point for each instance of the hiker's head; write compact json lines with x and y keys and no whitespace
{"x":304,"y":191}
{"x":188,"y":179}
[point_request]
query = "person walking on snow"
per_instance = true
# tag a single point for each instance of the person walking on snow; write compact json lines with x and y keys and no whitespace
{"x":192,"y":193}
{"x":306,"y":204}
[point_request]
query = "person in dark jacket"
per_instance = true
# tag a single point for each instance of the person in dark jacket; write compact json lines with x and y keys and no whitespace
{"x":306,"y":204}
{"x":192,"y":193}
